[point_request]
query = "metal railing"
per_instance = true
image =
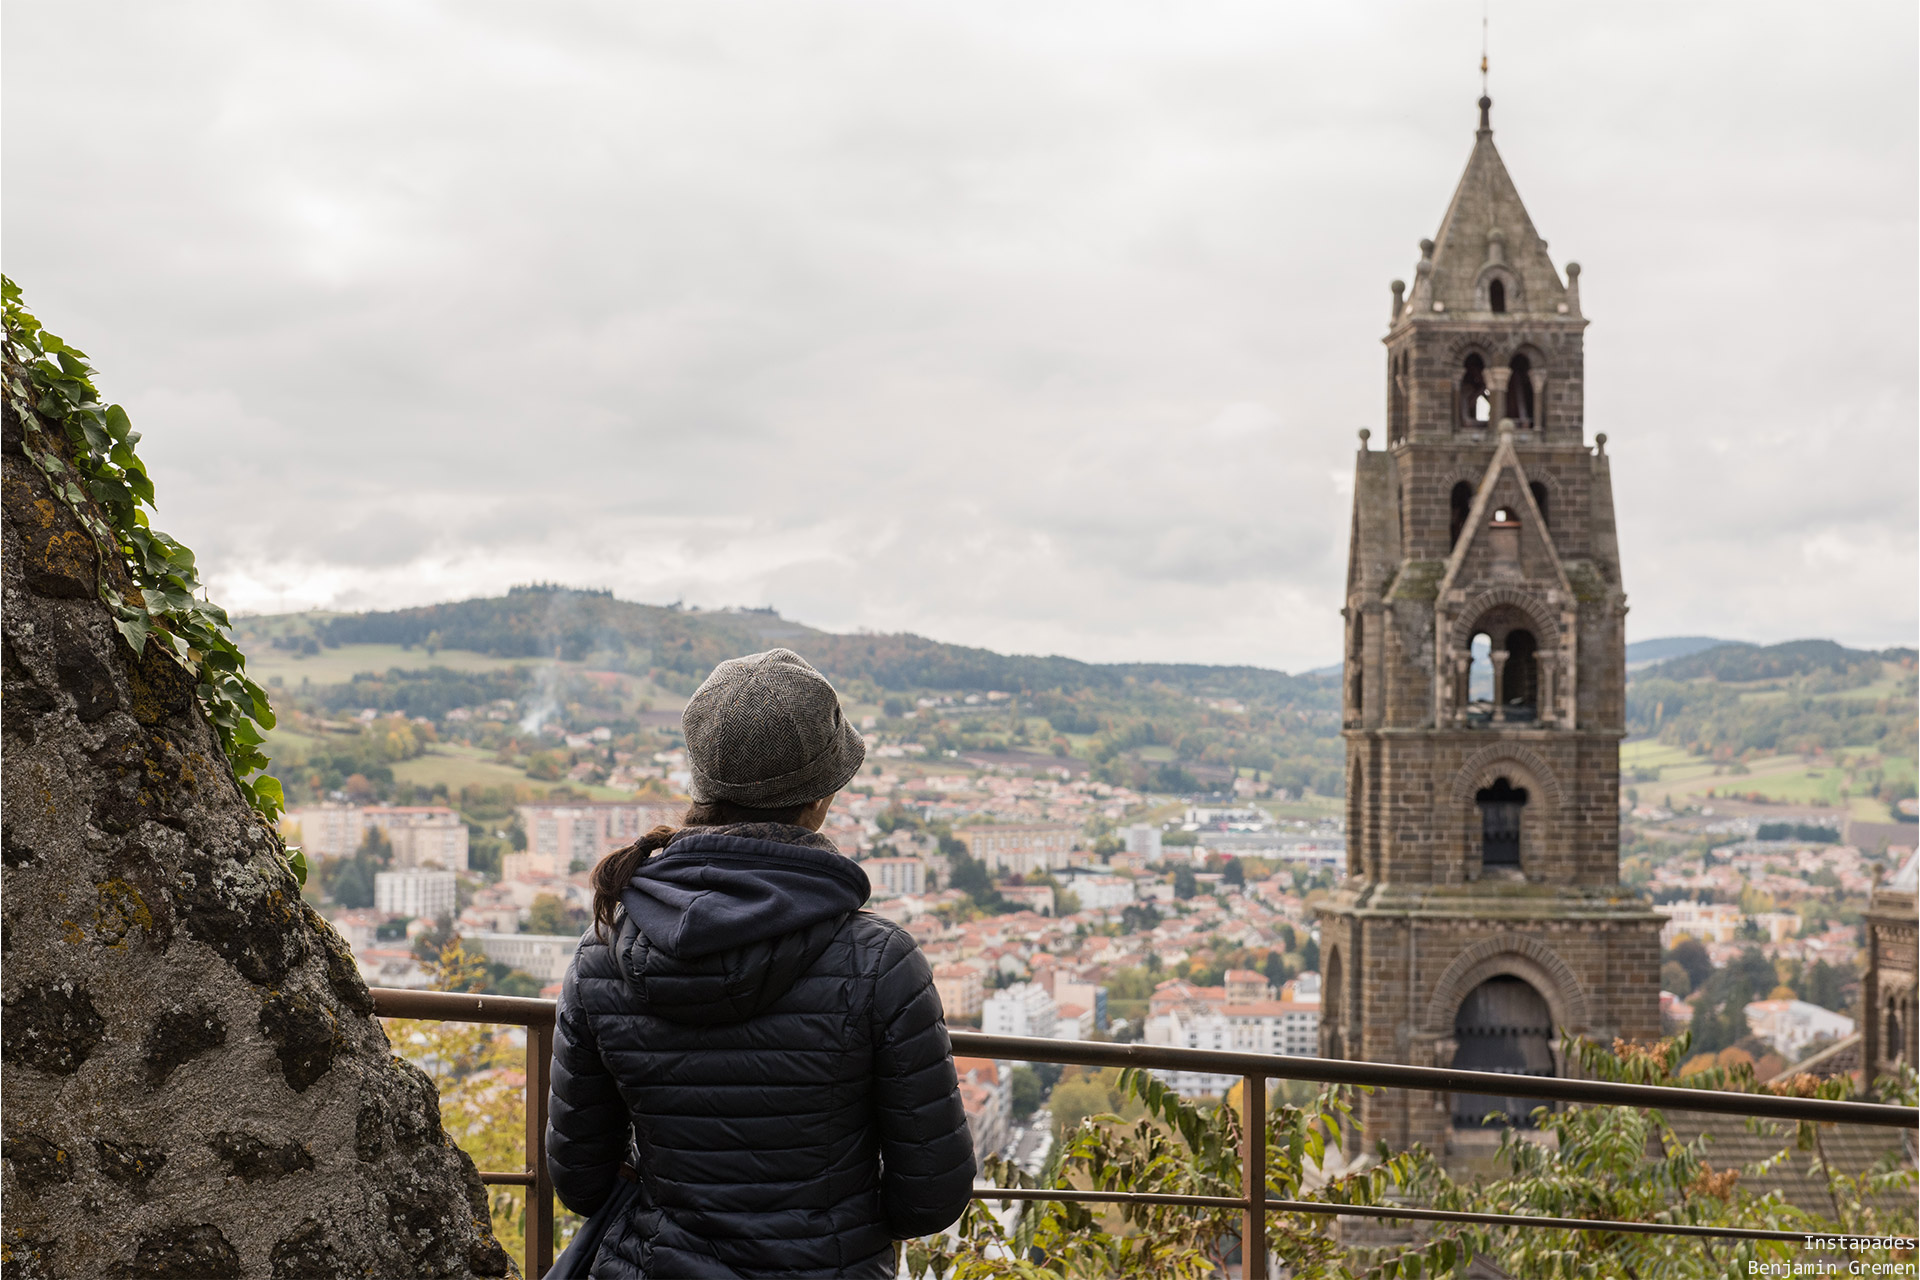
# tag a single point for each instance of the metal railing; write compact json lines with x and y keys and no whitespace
{"x":1255,"y":1068}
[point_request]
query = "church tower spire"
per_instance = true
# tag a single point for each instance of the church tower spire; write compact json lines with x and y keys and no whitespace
{"x":1481,"y":917}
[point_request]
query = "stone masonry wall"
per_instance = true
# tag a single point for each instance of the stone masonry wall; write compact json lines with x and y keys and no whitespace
{"x":193,"y":1084}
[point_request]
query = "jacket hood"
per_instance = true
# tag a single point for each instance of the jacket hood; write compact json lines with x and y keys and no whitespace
{"x":721,"y":923}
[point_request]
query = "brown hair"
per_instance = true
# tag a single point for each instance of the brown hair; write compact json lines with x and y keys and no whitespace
{"x":611,"y":875}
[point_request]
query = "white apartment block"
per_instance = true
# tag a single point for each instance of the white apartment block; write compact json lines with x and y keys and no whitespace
{"x":559,"y":835}
{"x":1701,"y":921}
{"x":902,"y":877}
{"x":1102,"y":893}
{"x":1264,"y":1026}
{"x":1022,"y":1009}
{"x":416,"y":892}
{"x":1144,"y":838}
{"x":421,"y":835}
{"x":1021,"y":848}
{"x":543,"y":956}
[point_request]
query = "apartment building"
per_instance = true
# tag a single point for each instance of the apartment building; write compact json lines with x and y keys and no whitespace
{"x":1022,"y":1009}
{"x":902,"y":877}
{"x":559,"y":835}
{"x":1020,"y":848}
{"x":960,"y":988}
{"x":416,"y":891}
{"x":544,"y":956}
{"x":421,"y":835}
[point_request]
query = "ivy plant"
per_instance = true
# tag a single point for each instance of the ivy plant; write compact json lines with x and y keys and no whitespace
{"x":90,"y":463}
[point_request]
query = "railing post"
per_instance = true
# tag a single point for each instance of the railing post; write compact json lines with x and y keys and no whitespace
{"x":1253,"y":1180}
{"x":539,"y":1257}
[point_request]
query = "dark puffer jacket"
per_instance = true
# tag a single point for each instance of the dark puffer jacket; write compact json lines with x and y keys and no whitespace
{"x":780,"y":1056}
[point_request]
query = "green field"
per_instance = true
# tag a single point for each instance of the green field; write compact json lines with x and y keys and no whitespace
{"x":460,"y":766}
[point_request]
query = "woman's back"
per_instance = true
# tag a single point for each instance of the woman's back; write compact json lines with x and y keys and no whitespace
{"x":781,"y":1058}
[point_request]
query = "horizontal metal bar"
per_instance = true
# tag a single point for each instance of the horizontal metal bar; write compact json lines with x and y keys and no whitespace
{"x":502,"y":1178}
{"x":457,"y":1006}
{"x":1109,"y":1197}
{"x":391,"y":1002}
{"x":1091,"y":1053}
{"x":1388,"y":1212}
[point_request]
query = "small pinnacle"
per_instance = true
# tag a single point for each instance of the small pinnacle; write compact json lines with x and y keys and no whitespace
{"x":1365,"y":435}
{"x":1486,"y":107}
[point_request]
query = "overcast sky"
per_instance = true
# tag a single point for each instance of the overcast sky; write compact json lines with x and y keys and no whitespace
{"x":1045,"y":327}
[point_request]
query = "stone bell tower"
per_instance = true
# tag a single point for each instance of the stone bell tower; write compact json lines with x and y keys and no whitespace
{"x":1481,"y":917}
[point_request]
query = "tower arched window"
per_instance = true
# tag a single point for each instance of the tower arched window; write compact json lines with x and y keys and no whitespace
{"x":1497,"y":295}
{"x":1520,"y":388}
{"x":1540,"y":500}
{"x":1476,"y":408}
{"x":1500,"y":806}
{"x":1461,"y":503}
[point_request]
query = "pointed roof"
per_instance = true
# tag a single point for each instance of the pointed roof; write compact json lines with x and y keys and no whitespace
{"x":1505,"y":458}
{"x":1487,"y":226}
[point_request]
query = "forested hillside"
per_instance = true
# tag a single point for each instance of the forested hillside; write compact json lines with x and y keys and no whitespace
{"x":1804,"y":697}
{"x":1168,"y":725}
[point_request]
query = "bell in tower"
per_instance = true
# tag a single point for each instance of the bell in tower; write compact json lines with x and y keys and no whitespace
{"x":1481,"y":918}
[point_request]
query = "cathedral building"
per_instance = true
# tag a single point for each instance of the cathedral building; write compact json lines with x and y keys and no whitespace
{"x":1481,"y":919}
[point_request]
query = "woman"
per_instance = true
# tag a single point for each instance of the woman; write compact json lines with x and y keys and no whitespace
{"x":774,"y":1058}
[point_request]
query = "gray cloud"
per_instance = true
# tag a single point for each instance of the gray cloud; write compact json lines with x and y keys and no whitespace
{"x":1037,"y":328}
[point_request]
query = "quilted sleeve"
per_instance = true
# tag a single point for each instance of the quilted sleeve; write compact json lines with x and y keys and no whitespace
{"x":926,"y":1151}
{"x":587,"y":1123}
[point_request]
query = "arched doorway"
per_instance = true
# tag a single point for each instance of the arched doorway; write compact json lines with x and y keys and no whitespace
{"x":1503,"y":1025}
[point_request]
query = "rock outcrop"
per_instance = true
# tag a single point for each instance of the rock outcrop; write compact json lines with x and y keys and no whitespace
{"x":193,"y":1081}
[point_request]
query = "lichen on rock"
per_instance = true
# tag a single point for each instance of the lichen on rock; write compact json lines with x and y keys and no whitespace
{"x":193,"y":1082}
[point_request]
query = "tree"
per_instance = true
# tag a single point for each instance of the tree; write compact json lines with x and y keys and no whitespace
{"x":1027,"y":1092}
{"x":1233,"y":873}
{"x":1184,"y":885}
{"x":1692,"y":956}
{"x":548,"y":914}
{"x":1310,"y":956}
{"x":1610,"y":1162}
{"x":1674,"y":978}
{"x":1139,"y":917}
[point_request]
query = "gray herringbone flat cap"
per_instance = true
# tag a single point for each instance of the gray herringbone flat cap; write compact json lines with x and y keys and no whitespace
{"x":766,"y":731}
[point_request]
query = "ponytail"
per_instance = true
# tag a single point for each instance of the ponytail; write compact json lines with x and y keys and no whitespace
{"x":612,"y":874}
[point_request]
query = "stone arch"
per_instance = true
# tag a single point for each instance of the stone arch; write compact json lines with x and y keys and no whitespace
{"x":1480,"y":768}
{"x":1516,"y":955}
{"x":1468,"y":616}
{"x":1470,"y":344}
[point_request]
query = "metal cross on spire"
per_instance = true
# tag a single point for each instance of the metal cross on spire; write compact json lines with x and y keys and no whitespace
{"x":1486,"y":124}
{"x":1484,"y":4}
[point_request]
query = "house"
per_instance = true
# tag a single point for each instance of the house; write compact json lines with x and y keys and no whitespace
{"x":986,"y":1093}
{"x":1791,"y":1025}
